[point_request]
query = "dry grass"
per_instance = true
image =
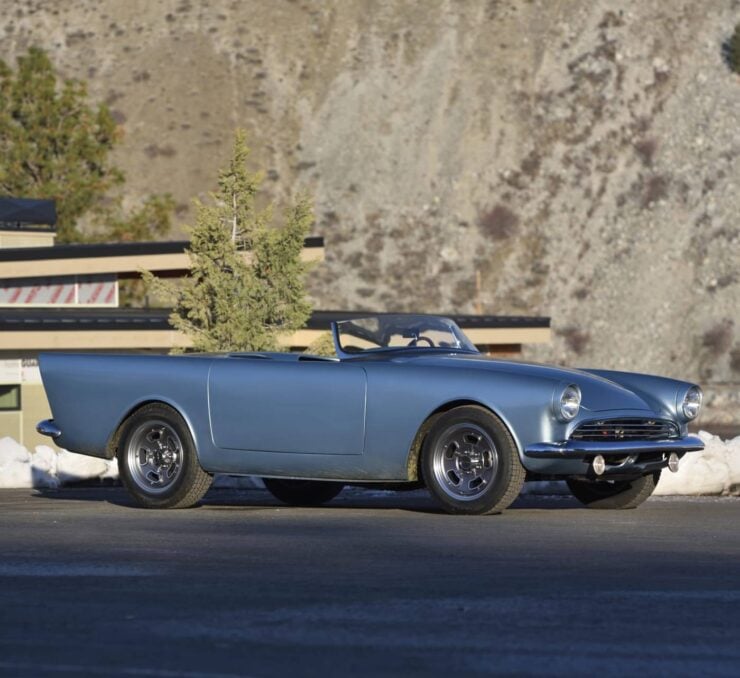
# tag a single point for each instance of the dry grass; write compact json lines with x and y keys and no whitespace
{"x":655,"y":189}
{"x":735,"y":359}
{"x":499,"y":223}
{"x":646,"y":149}
{"x":575,"y":338}
{"x":718,"y":339}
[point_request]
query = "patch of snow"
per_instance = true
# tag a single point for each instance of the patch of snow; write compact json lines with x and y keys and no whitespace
{"x":73,"y":467}
{"x":713,"y":471}
{"x":45,"y":467}
{"x":15,"y":464}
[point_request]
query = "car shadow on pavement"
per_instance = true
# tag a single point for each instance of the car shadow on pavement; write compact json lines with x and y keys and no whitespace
{"x":417,"y":501}
{"x":118,"y":496}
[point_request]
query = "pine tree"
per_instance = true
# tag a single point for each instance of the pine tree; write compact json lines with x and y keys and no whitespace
{"x":323,"y":345}
{"x":245,"y":286}
{"x":54,"y":144}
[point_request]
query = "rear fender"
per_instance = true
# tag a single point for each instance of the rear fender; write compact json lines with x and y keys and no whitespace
{"x":91,"y":395}
{"x":112,"y":446}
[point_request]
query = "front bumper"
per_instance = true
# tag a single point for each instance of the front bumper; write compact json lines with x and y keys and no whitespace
{"x":588,"y":448}
{"x":624,"y":458}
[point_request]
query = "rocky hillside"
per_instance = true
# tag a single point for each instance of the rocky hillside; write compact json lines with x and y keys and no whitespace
{"x":580,"y":155}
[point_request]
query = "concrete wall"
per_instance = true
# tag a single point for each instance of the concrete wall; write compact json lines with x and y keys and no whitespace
{"x":35,"y":408}
{"x":21,"y":424}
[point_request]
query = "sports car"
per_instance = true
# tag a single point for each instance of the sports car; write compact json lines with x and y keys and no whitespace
{"x":408,"y":401}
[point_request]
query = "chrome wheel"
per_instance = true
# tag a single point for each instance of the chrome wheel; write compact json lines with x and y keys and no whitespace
{"x":154,"y":457}
{"x":465,"y":461}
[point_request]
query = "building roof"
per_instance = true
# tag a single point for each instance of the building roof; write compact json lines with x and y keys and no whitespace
{"x":61,"y":319}
{"x":126,"y":259}
{"x":113,"y":249}
{"x":27,"y":214}
{"x":37,"y":329}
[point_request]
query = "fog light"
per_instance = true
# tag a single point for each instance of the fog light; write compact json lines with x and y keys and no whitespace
{"x":598,"y":465}
{"x":673,"y":462}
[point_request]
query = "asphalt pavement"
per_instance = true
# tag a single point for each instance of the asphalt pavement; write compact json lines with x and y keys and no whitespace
{"x":373,"y":584}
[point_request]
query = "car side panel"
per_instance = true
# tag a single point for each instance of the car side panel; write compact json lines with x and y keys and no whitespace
{"x":400,"y":396}
{"x":298,"y":407}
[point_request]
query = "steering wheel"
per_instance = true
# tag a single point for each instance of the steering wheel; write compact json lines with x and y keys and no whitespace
{"x":415,"y":342}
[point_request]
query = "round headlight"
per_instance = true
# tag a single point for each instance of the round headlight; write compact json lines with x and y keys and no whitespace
{"x":570,"y":402}
{"x":692,"y":402}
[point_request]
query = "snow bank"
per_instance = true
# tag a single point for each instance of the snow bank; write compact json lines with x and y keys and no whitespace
{"x":15,"y":464}
{"x":45,"y":467}
{"x":715,"y":471}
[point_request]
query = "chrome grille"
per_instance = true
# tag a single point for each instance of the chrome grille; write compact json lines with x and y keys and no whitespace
{"x":625,"y":429}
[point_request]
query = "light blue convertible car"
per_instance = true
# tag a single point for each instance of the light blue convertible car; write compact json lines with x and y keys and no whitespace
{"x":408,"y":401}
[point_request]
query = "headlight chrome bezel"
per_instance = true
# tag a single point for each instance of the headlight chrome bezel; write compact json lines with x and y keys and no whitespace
{"x":569,"y":403}
{"x":691,"y":403}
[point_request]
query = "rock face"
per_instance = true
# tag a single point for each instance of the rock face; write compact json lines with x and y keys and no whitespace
{"x":581,"y":156}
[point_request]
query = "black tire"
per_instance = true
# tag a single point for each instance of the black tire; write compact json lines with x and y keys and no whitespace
{"x":157,"y":460}
{"x":470,"y":463}
{"x":616,"y":494}
{"x":302,"y":492}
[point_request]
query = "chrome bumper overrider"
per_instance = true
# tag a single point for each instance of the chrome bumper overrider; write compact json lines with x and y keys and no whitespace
{"x":581,"y":448}
{"x":47,"y":427}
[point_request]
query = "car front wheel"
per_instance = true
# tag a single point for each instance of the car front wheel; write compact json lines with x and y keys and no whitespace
{"x":157,"y":460}
{"x":470,"y":463}
{"x":613,"y":494}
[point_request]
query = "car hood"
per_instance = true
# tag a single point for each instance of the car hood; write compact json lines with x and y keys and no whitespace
{"x":598,"y":393}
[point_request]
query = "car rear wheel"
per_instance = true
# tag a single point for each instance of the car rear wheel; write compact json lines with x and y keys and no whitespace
{"x":302,"y":492}
{"x":614,"y":494}
{"x":157,"y":459}
{"x":470,"y":463}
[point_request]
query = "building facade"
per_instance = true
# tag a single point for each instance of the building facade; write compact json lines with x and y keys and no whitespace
{"x":65,"y":298}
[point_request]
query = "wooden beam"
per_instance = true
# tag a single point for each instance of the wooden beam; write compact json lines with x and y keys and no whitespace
{"x":481,"y":336}
{"x":22,"y":238}
{"x":127,"y":265}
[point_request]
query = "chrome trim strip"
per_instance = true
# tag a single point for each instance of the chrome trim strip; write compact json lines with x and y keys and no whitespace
{"x":47,"y":427}
{"x":574,"y":448}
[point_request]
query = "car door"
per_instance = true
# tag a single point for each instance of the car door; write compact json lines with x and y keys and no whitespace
{"x":310,"y":407}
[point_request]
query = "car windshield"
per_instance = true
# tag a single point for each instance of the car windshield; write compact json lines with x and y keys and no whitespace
{"x":383,"y":332}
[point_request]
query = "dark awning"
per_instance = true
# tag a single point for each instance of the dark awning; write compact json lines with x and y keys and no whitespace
{"x":21,"y":211}
{"x":55,"y":319}
{"x":109,"y":249}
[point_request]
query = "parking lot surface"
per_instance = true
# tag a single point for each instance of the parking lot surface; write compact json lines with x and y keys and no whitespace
{"x":372,"y":584}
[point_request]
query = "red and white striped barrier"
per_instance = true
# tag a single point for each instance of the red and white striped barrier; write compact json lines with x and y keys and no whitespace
{"x":93,"y":290}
